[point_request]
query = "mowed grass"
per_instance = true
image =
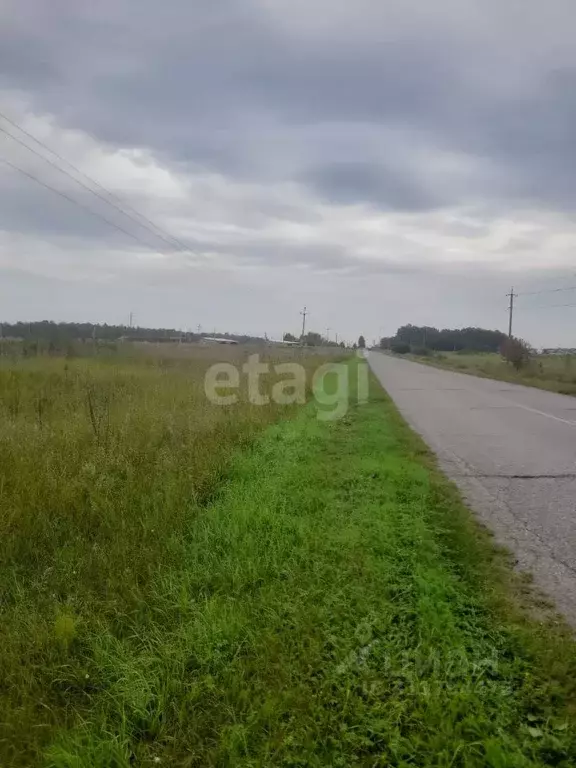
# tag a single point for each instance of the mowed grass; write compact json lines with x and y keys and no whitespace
{"x":330,"y":603}
{"x":556,"y":373}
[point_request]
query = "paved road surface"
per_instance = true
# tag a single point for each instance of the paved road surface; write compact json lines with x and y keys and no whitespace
{"x":512,"y":451}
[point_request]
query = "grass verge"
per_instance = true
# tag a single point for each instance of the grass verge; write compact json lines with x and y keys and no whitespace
{"x":335,"y":605}
{"x":554,"y":373}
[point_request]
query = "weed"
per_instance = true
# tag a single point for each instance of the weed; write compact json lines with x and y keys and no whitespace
{"x":553,"y":372}
{"x":104,"y":462}
{"x":333,"y":604}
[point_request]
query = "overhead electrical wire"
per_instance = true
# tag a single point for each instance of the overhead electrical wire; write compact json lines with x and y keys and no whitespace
{"x":548,"y":290}
{"x":85,"y":186}
{"x":92,"y":181}
{"x":75,"y":202}
{"x":545,"y":306}
{"x":150,"y":226}
{"x":86,"y":176}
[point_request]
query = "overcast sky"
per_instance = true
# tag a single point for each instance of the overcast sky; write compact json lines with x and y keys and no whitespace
{"x":381,"y":162}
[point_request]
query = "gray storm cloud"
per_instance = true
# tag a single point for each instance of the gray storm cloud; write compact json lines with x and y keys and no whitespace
{"x":375,"y":138}
{"x":222,"y":85}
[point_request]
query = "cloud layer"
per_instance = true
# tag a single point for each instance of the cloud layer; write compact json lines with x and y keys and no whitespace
{"x":377,"y":161}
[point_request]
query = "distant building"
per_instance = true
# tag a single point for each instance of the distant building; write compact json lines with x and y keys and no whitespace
{"x":151,"y":339}
{"x":217,"y":340}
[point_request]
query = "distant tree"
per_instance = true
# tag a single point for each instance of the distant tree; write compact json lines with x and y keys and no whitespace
{"x":61,"y":334}
{"x":313,"y":339}
{"x":448,"y":339}
{"x":289,"y":337}
{"x":361,"y":342}
{"x":516,"y":351}
{"x":400,"y":348}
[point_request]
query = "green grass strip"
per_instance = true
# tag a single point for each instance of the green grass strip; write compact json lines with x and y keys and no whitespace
{"x":337,"y":606}
{"x":553,"y":373}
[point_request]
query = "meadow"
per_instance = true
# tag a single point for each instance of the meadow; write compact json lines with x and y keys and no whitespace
{"x":190,"y":585}
{"x":556,"y":373}
{"x":105,"y":455}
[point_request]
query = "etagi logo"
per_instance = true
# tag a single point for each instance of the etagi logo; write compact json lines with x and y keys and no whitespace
{"x":331,"y":385}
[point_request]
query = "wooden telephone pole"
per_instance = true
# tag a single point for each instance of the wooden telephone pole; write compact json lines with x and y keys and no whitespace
{"x":304,"y":314}
{"x":511,"y":296}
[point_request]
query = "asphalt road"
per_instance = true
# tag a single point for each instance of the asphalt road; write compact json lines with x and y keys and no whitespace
{"x":511,"y":450}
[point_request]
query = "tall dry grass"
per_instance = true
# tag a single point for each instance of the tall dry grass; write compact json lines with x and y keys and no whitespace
{"x":103,"y":460}
{"x":556,"y":373}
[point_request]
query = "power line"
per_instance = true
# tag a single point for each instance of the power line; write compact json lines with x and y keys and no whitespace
{"x":76,"y":202}
{"x":85,"y":186}
{"x":545,"y":306}
{"x":149,"y":225}
{"x":304,"y":314}
{"x":82,"y":173}
{"x":511,"y":296}
{"x":548,"y":290}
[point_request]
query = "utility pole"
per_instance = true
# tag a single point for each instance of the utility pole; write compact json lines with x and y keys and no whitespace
{"x":131,"y":318}
{"x":336,"y":339}
{"x":328,"y":334}
{"x":304,"y":313}
{"x":511,"y":296}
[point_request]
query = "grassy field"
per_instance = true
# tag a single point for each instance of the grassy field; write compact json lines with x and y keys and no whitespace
{"x":104,"y":461}
{"x":319,"y":598}
{"x":552,"y":372}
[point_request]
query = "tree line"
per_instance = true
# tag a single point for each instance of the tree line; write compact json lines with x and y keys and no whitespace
{"x":61,"y":334}
{"x":416,"y":338}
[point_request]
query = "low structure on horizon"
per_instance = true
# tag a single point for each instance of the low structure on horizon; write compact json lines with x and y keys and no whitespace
{"x":217,"y":340}
{"x":558,"y":351}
